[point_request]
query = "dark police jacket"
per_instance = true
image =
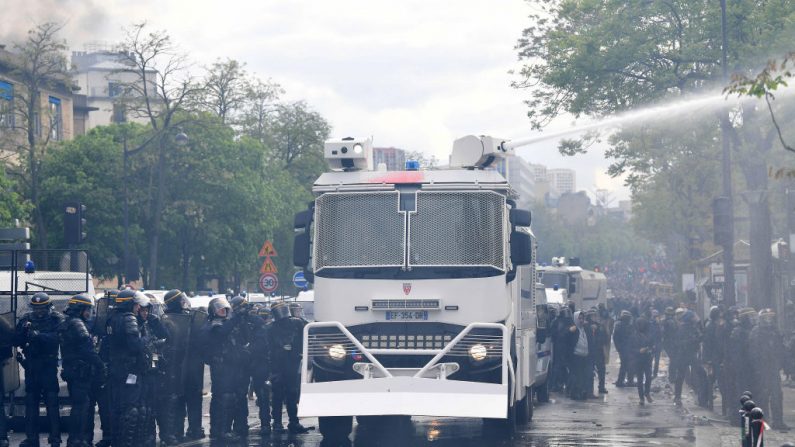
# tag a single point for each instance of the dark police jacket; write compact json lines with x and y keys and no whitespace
{"x":80,"y":358}
{"x":38,"y":337}
{"x":126,"y":348}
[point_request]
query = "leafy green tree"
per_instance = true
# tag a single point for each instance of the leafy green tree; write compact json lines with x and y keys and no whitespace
{"x":89,"y":170}
{"x":600,"y":57}
{"x":39,"y":65}
{"x":12,"y":206}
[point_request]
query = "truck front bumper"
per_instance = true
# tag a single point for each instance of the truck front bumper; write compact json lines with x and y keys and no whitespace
{"x":424,"y":391}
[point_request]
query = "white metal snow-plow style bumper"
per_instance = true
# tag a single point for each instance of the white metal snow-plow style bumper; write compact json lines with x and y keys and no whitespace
{"x":422,"y":391}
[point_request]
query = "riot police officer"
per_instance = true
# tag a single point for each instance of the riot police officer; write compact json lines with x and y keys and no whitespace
{"x":285,"y":338}
{"x":766,"y":354}
{"x":127,"y":365}
{"x":154,"y":336}
{"x":99,"y":394}
{"x":225,"y":372}
{"x":81,"y":366}
{"x":37,"y":334}
{"x":182,"y":381}
{"x":247,"y":323}
{"x":261,"y":369}
{"x":685,"y":350}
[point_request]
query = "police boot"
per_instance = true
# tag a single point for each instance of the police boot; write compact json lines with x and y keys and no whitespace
{"x":54,"y":416}
{"x":168,"y":429}
{"x":31,"y":419}
{"x":226,"y":414}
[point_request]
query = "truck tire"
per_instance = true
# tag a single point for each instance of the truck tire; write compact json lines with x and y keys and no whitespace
{"x":542,"y":392}
{"x":524,"y":408}
{"x":502,"y":428}
{"x":336,"y":428}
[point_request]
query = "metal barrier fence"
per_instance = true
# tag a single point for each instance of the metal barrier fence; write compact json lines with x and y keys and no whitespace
{"x":59,"y":273}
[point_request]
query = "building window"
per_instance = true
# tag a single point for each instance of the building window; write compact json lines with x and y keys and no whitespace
{"x":6,"y":105}
{"x":56,"y":119}
{"x":119,"y":113}
{"x":114,"y":89}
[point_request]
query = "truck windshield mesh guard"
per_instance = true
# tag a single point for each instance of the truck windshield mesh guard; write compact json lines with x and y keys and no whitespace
{"x":359,"y":230}
{"x":452,"y":229}
{"x":447,"y":229}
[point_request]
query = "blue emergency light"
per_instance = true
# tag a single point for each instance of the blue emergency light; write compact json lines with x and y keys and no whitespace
{"x":412,"y":165}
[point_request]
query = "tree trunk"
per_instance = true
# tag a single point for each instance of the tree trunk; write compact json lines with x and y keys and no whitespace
{"x":154,"y":240}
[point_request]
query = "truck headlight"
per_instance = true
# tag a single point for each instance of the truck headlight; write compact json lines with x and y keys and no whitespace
{"x":478,"y":352}
{"x":336,"y":352}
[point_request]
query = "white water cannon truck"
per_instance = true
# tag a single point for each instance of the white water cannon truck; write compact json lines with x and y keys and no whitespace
{"x":425,"y":291}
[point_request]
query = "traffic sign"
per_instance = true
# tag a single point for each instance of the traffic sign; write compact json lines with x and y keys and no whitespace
{"x":268,"y":266}
{"x":267,"y":250}
{"x":268,"y":283}
{"x":299,"y":280}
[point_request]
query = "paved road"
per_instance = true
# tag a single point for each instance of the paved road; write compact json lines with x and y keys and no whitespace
{"x":614,"y":420}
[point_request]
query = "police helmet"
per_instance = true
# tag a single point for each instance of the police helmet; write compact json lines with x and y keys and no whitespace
{"x":176,"y":300}
{"x":79,"y":303}
{"x":767,"y":317}
{"x":40,"y":300}
{"x":216,"y":304}
{"x":124,"y":298}
{"x":237,"y":301}
{"x":280,"y":310}
{"x":625,"y":315}
{"x":748,"y":393}
{"x":744,"y":399}
{"x":756,"y":414}
{"x":714,"y":313}
{"x":265,"y":313}
{"x":749,"y":405}
{"x":669,"y":311}
{"x":680,"y":312}
{"x":141,"y":299}
{"x":296,"y":310}
{"x":112,"y":294}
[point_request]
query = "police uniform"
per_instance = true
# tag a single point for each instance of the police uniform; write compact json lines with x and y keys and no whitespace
{"x":125,"y":371}
{"x":81,"y":365}
{"x":37,"y":334}
{"x":184,"y":371}
{"x":285,"y":339}
{"x":225,"y":368}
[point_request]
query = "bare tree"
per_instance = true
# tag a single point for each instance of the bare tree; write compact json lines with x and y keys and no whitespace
{"x":40,"y":66}
{"x":259,"y":107}
{"x":225,"y":89}
{"x":161,"y":89}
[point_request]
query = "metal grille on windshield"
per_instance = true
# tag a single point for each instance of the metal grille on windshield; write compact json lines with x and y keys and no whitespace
{"x":359,"y":230}
{"x":452,"y":229}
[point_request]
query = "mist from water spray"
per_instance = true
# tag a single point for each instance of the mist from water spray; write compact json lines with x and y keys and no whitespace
{"x":655,"y":113}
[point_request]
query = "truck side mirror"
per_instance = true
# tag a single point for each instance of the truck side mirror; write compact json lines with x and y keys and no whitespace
{"x":302,"y":220}
{"x":520,"y":218}
{"x":521,"y":248}
{"x":301,"y":250}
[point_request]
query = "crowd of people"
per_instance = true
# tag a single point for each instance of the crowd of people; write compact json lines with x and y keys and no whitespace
{"x":733,"y":350}
{"x":145,"y":373}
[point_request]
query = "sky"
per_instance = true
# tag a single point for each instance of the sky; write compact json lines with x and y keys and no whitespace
{"x":413,"y":74}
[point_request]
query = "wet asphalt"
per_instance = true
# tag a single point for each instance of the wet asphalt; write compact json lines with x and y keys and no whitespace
{"x":614,"y":419}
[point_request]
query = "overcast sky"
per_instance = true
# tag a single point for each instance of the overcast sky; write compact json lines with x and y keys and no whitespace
{"x":414,"y":74}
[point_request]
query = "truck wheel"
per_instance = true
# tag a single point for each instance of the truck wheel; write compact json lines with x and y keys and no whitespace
{"x":335,"y":428}
{"x":542,"y":392}
{"x":502,"y":428}
{"x":524,"y":408}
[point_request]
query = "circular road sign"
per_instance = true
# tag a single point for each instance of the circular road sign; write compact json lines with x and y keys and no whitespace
{"x":299,"y":280}
{"x":268,"y":283}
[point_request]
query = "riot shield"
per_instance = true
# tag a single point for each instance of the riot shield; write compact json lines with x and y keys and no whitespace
{"x":10,"y":366}
{"x":103,"y":314}
{"x":176,"y":353}
{"x":194,"y":361}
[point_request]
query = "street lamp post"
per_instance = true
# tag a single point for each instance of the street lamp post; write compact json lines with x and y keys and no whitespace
{"x":728,"y":245}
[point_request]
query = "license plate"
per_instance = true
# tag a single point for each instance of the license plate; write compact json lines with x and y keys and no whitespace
{"x":407,"y":315}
